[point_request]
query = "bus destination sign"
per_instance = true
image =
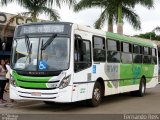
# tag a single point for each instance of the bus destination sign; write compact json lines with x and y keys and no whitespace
{"x":38,"y":29}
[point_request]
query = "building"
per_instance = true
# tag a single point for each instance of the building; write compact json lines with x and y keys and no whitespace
{"x":8,"y":22}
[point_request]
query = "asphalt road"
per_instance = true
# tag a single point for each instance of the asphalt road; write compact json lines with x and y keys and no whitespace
{"x":115,"y":104}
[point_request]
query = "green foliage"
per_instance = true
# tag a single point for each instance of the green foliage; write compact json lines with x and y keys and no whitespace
{"x":5,"y":2}
{"x":149,"y":35}
{"x":157,"y":29}
{"x":37,"y":7}
{"x":110,"y":11}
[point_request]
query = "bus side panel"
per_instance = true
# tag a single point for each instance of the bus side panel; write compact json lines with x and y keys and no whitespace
{"x":151,"y":74}
{"x":112,"y":75}
{"x":128,"y":80}
{"x":80,"y":85}
{"x":126,"y":76}
{"x":148,"y":71}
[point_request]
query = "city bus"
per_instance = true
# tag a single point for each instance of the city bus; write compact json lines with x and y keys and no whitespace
{"x":65,"y":62}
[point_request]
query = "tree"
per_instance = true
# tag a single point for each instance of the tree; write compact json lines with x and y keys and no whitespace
{"x":149,"y":35}
{"x":110,"y":12}
{"x":130,"y":4}
{"x":156,"y":29}
{"x":115,"y":11}
{"x":5,"y":2}
{"x":37,"y":7}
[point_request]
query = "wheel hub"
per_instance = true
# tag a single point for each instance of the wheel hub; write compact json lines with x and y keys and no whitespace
{"x":97,"y":94}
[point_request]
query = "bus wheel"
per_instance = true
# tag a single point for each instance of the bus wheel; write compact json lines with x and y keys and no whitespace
{"x":142,"y":88}
{"x":96,"y":95}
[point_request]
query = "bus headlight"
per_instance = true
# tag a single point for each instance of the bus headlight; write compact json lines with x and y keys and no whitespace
{"x":65,"y":82}
{"x":13,"y":82}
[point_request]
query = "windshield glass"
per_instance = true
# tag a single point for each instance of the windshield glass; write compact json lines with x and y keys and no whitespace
{"x":54,"y":57}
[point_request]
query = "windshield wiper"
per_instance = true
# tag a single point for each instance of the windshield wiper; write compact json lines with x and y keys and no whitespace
{"x":28,"y":44}
{"x":49,"y":41}
{"x":29,"y":47}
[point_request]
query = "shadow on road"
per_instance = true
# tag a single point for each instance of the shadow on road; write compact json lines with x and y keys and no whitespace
{"x":72,"y":107}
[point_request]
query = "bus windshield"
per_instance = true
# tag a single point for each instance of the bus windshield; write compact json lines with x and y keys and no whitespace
{"x":54,"y":57}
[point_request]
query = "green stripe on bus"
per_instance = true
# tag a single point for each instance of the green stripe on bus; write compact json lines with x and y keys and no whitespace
{"x":31,"y":85}
{"x":30,"y":82}
{"x":128,"y":39}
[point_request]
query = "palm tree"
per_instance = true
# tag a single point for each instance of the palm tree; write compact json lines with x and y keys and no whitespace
{"x":109,"y":13}
{"x":113,"y":12}
{"x":130,"y":4}
{"x":5,"y":2}
{"x":37,"y":7}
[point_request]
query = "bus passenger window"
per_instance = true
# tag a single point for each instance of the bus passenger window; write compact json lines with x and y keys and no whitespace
{"x":146,"y":51}
{"x":137,"y":54}
{"x":154,"y":56}
{"x":99,"y":49}
{"x":126,"y":55}
{"x":113,"y":53}
{"x":147,"y":59}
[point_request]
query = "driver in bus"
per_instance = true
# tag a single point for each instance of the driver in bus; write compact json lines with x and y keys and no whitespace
{"x":57,"y":59}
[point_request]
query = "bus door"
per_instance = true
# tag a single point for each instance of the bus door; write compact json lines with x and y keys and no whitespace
{"x":82,"y":68}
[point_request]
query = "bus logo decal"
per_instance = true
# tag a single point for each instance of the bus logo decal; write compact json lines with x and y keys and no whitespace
{"x":94,"y":69}
{"x":112,"y":68}
{"x":42,"y":65}
{"x":136,"y":72}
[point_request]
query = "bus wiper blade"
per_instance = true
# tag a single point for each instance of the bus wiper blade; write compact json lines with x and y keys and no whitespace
{"x":48,"y":42}
{"x":29,"y":47}
{"x":28,"y":44}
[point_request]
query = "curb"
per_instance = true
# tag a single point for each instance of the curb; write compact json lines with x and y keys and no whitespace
{"x":25,"y":103}
{"x":17,"y":104}
{"x":2,"y":105}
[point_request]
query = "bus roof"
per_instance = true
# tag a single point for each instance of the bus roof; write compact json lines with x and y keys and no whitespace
{"x":129,"y":39}
{"x":48,"y":22}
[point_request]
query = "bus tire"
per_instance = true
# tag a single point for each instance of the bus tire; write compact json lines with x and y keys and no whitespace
{"x":142,"y":87}
{"x":96,"y":95}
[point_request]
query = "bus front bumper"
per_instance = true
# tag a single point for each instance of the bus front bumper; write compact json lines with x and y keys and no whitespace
{"x":55,"y":95}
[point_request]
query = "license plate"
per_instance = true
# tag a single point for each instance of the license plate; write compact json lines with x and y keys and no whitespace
{"x":36,"y":93}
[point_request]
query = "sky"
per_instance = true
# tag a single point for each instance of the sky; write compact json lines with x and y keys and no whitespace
{"x":149,"y":18}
